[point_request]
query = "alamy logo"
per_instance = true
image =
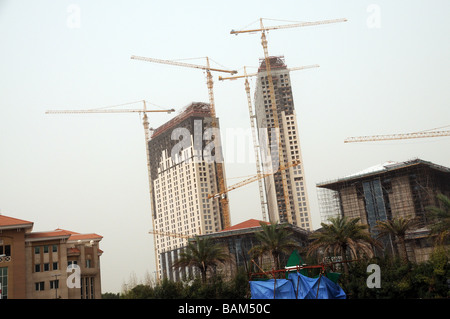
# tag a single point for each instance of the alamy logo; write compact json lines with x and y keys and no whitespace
{"x":74,"y":279}
{"x":374,"y":19}
{"x":207,"y":146}
{"x":74,"y":18}
{"x":374,"y":279}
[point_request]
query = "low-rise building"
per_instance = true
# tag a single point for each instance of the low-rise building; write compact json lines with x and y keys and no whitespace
{"x":237,"y":240}
{"x":44,"y":265}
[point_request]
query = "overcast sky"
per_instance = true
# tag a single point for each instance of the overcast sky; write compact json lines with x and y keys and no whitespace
{"x":386,"y":70}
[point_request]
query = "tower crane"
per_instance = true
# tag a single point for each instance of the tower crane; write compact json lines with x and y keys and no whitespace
{"x":252,"y":179}
{"x":143,"y":111}
{"x":247,"y":75}
{"x":252,"y":124}
{"x":403,"y":136}
{"x":263,"y":31}
{"x":209,"y":81}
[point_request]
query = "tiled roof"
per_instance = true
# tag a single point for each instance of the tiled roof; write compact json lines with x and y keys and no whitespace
{"x":78,"y":236}
{"x":84,"y":236}
{"x":10,"y":222}
{"x":73,"y":251}
{"x":6,"y":221}
{"x":47,"y":234}
{"x":70,"y":235}
{"x":246,"y":224}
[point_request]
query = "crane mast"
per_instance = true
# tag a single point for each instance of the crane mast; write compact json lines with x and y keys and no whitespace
{"x":144,"y":111}
{"x":209,"y":81}
{"x":263,"y":30}
{"x":255,"y":144}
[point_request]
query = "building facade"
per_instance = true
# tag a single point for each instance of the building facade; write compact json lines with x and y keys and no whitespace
{"x":288,"y":134}
{"x":237,"y":241}
{"x":387,"y":191}
{"x":183,"y":171}
{"x":47,"y":265}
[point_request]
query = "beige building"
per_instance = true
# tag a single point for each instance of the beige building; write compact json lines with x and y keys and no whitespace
{"x":45,"y":265}
{"x":182,"y":177}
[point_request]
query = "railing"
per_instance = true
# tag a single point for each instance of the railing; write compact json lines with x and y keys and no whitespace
{"x":5,"y":259}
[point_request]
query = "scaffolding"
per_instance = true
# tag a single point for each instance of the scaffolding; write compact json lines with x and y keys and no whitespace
{"x":394,"y":190}
{"x":329,"y":204}
{"x":402,"y":189}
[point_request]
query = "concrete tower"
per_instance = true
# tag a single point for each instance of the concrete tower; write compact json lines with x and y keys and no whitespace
{"x":290,"y":143}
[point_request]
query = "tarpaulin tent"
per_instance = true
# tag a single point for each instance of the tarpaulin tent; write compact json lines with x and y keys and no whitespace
{"x":297,"y":286}
{"x":272,"y":289}
{"x":315,"y":288}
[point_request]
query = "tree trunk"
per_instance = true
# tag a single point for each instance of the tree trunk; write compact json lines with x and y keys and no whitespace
{"x":402,"y":248}
{"x":344,"y":257}
{"x":276,"y":262}
{"x":203,"y":271}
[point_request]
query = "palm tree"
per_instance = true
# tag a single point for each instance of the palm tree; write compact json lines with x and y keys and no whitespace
{"x":341,"y":237}
{"x":441,"y":218}
{"x":202,"y":254}
{"x":397,"y":227}
{"x":275,"y":240}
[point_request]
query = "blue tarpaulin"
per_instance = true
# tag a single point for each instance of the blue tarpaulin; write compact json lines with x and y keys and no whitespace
{"x":307,"y":287}
{"x":264,"y":289}
{"x":297,"y":286}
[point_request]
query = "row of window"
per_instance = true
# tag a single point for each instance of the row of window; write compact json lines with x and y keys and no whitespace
{"x":45,"y":267}
{"x":45,"y":249}
{"x":40,"y":286}
{"x":87,"y":286}
{"x":55,"y":265}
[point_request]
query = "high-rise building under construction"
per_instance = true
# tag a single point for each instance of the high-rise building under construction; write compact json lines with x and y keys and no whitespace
{"x":183,"y":173}
{"x":284,"y":205}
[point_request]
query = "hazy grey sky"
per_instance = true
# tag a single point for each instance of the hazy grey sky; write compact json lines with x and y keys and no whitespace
{"x":386,"y":70}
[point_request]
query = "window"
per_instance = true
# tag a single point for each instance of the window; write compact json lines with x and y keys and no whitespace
{"x":37,"y":250}
{"x":37,"y":268}
{"x":46,"y":267}
{"x":55,"y":266}
{"x":54,"y":284}
{"x":4,"y":282}
{"x":88,"y":263}
{"x":54,"y":248}
{"x":87,"y":288}
{"x":39,"y":286}
{"x":5,"y":250}
{"x":46,"y":249}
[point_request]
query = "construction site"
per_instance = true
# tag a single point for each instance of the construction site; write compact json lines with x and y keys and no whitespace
{"x":188,"y":185}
